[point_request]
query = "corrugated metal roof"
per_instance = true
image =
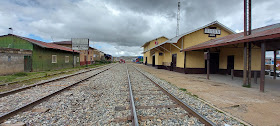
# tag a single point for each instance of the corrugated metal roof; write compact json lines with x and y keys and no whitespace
{"x":63,"y":42}
{"x":67,"y":43}
{"x":154,"y":39}
{"x":45,"y":45}
{"x":267,"y":32}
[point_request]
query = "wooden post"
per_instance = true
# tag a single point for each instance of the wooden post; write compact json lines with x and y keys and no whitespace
{"x":274,"y":65}
{"x":245,"y":64}
{"x":249,"y":17}
{"x":185,"y":61}
{"x":232,"y":71}
{"x":87,"y":59}
{"x":245,"y":18}
{"x":255,"y":77}
{"x":208,"y":63}
{"x":262,"y":82}
{"x":249,"y":63}
{"x":73,"y":59}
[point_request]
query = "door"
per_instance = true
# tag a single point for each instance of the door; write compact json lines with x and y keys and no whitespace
{"x":174,"y":61}
{"x":214,"y":63}
{"x":146,"y":61}
{"x":27,"y":64}
{"x":85,"y":60}
{"x":154,"y":60}
{"x":74,"y":61}
{"x":230,"y":64}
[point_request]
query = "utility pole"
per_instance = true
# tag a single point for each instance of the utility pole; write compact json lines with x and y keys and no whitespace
{"x":247,"y":46}
{"x":178,"y":18}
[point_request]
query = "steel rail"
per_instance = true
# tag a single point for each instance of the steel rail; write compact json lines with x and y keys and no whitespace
{"x":188,"y":108}
{"x":132,"y":105}
{"x":3,"y":94}
{"x":40,"y":100}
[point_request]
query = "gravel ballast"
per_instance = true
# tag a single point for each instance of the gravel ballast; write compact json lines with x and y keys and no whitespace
{"x":209,"y":112}
{"x":104,"y":100}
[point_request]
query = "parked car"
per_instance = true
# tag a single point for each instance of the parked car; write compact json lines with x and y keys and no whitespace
{"x":277,"y":73}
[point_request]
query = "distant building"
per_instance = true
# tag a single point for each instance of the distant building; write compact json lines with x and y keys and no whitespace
{"x":86,"y":56}
{"x":14,"y":60}
{"x":45,"y":56}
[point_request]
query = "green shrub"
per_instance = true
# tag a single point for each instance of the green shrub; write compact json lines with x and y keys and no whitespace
{"x":183,"y":89}
{"x":20,"y":74}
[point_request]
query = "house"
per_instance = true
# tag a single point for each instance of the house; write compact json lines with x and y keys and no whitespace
{"x":86,"y":56}
{"x":45,"y":56}
{"x":14,"y":60}
{"x":164,"y":53}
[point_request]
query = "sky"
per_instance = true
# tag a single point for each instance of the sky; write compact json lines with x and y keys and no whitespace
{"x":121,"y":27}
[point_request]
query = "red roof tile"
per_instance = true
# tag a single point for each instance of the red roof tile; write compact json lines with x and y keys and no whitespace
{"x":68,"y":43}
{"x":263,"y":33}
{"x":63,"y":42}
{"x":46,"y":45}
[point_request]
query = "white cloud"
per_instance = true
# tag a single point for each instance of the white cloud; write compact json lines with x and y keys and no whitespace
{"x":121,"y":27}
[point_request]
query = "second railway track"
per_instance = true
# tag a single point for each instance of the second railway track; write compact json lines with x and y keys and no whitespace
{"x":154,"y":105}
{"x":20,"y":100}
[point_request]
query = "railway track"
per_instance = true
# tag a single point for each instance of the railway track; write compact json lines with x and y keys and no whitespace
{"x":152,"y":104}
{"x":6,"y":93}
{"x":18,"y":100}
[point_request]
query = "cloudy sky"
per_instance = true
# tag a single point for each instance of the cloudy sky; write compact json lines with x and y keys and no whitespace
{"x":120,"y":27}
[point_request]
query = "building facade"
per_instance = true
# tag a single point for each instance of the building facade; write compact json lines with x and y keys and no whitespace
{"x":168,"y":54}
{"x":14,"y":60}
{"x":45,"y":56}
{"x":86,"y":56}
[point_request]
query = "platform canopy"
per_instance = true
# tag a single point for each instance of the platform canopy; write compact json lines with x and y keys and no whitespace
{"x":268,"y":34}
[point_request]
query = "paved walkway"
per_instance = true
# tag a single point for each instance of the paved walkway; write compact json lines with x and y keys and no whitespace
{"x":248,"y":104}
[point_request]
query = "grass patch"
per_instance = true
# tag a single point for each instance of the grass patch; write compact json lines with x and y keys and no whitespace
{"x":43,"y":74}
{"x":247,"y":86}
{"x":21,"y":74}
{"x":182,"y":89}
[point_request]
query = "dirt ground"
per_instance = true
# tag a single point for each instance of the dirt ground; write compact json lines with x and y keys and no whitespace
{"x":248,"y":104}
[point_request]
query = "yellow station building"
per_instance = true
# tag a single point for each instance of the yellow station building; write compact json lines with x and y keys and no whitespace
{"x":217,"y":47}
{"x":165,"y":53}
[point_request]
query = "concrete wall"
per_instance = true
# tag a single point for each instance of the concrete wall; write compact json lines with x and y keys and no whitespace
{"x":167,"y":56}
{"x":89,"y":54}
{"x":238,"y":57}
{"x":195,"y":59}
{"x":15,"y":65}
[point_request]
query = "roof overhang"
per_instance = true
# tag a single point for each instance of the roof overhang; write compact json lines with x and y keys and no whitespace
{"x":158,"y":46}
{"x":146,"y":43}
{"x":269,"y":34}
{"x":175,"y":39}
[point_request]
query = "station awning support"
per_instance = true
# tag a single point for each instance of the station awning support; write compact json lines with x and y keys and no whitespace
{"x":274,"y":65}
{"x":245,"y":64}
{"x":176,"y":46}
{"x":164,"y":49}
{"x":158,"y":50}
{"x":262,"y":82}
{"x":208,"y":63}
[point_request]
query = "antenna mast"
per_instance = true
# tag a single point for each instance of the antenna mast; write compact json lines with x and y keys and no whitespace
{"x":178,"y":18}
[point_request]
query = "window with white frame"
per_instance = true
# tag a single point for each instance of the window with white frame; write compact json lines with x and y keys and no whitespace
{"x":78,"y":59}
{"x":9,"y":58}
{"x":94,"y":55}
{"x":66,"y":59}
{"x":54,"y":59}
